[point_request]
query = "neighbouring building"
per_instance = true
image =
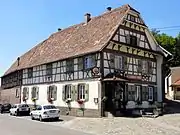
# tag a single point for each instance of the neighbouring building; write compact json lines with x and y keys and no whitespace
{"x":107,"y":64}
{"x":172,"y":84}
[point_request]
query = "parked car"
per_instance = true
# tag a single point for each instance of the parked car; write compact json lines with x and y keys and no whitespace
{"x":5,"y":107}
{"x":44,"y":112}
{"x":19,"y":109}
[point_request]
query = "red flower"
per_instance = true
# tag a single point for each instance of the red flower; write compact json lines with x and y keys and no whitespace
{"x":80,"y":102}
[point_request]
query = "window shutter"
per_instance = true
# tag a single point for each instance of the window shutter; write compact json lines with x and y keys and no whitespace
{"x":63,"y":93}
{"x":27,"y":93}
{"x":143,"y":93}
{"x":87,"y":92}
{"x":138,"y":41}
{"x":55,"y":92}
{"x":112,"y":57}
{"x":48,"y":96}
{"x":37,"y":93}
{"x":155,"y":94}
{"x":125,"y":62}
{"x":139,"y":66}
{"x":150,"y":70}
{"x":128,"y":39}
{"x":75,"y":92}
{"x":72,"y":92}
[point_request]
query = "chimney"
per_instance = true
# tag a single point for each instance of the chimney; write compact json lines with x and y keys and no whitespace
{"x":109,"y":8}
{"x":18,"y":59}
{"x":87,"y":17}
{"x":59,"y":29}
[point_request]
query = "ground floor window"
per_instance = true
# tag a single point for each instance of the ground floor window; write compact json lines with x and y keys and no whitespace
{"x":81,"y":92}
{"x":138,"y":93}
{"x":131,"y":93}
{"x":35,"y":93}
{"x":68,"y":90}
{"x":52,"y":92}
{"x":25,"y":93}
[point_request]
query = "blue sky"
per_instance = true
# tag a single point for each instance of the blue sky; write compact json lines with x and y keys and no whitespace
{"x":23,"y":24}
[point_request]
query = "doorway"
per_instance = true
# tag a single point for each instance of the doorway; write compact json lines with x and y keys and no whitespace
{"x":115,"y":94}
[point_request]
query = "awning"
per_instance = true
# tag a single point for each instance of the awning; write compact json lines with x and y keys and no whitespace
{"x":177,"y":83}
{"x":115,"y":79}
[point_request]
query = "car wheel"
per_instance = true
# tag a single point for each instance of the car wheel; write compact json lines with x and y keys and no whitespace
{"x":56,"y":119}
{"x":40,"y":118}
{"x":32,"y":117}
{"x":10,"y":113}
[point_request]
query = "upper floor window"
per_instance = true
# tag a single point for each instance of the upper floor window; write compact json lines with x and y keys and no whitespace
{"x":49,"y":69}
{"x":132,"y":18}
{"x":80,"y":63}
{"x":70,"y":65}
{"x":89,"y":61}
{"x":30,"y":72}
{"x":132,"y":40}
{"x":118,"y":62}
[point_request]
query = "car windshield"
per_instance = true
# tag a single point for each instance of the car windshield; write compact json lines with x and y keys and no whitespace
{"x":49,"y":107}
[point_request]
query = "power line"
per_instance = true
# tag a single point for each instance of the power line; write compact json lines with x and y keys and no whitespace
{"x":169,"y":27}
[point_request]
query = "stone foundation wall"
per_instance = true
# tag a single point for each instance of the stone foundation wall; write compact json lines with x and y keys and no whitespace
{"x":9,"y":96}
{"x":80,"y":113}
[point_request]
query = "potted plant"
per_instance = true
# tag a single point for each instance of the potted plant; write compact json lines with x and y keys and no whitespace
{"x":68,"y":100}
{"x":24,"y":98}
{"x":50,"y":100}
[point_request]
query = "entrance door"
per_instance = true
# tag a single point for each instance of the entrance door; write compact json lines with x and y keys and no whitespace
{"x":115,"y":93}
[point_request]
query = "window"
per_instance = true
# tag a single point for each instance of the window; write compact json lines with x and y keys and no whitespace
{"x":138,"y":93}
{"x":81,"y":92}
{"x":70,"y":66}
{"x":49,"y":107}
{"x":150,"y":69}
{"x":39,"y":108}
{"x":89,"y":61}
{"x":131,"y":93}
{"x":30,"y":72}
{"x":17,"y":93}
{"x":25,"y":92}
{"x":118,"y":62}
{"x":145,"y":93}
{"x":35,"y":93}
{"x":49,"y":69}
{"x":80,"y":63}
{"x":144,"y":66}
{"x":150,"y":93}
{"x":68,"y":89}
{"x":132,"y":18}
{"x":133,"y":40}
{"x":52,"y":92}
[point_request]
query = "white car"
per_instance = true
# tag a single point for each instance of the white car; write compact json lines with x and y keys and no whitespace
{"x":19,"y":109}
{"x":44,"y":112}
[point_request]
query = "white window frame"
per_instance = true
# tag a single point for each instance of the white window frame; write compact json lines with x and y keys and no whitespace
{"x":81,"y":92}
{"x":68,"y":89}
{"x":150,"y":93}
{"x":138,"y":92}
{"x":118,"y":62}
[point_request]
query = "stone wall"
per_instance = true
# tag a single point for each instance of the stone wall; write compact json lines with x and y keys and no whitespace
{"x":9,"y":96}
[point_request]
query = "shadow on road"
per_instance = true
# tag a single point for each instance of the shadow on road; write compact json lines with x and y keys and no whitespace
{"x":172,"y":107}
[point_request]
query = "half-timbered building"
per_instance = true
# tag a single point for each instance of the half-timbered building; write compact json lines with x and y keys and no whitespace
{"x":107,"y":64}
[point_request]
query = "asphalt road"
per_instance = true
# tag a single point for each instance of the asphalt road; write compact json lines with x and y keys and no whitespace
{"x":10,"y":125}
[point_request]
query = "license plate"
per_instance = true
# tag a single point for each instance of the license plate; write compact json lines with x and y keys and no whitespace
{"x":52,"y":111}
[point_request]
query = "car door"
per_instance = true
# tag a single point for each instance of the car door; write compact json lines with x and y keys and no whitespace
{"x":37,"y":112}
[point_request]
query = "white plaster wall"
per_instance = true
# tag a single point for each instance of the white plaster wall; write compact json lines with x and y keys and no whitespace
{"x":159,"y":77}
{"x":94,"y":86}
{"x":151,"y":41}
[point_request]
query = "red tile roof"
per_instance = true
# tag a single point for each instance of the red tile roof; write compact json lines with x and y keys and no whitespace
{"x":73,"y":41}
